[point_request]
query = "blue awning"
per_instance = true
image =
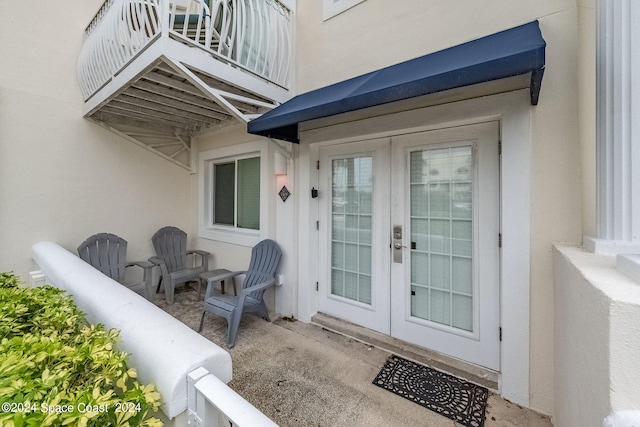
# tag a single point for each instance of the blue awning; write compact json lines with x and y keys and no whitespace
{"x":509,"y":53}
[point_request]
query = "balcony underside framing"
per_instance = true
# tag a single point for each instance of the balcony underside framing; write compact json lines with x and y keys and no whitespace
{"x":172,"y":91}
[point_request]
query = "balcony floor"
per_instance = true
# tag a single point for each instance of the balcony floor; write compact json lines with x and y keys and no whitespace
{"x":301,"y":374}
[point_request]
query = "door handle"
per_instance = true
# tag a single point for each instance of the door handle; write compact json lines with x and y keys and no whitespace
{"x":397,"y":244}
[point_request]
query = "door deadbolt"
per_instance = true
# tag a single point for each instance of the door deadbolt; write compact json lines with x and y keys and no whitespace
{"x":397,"y":244}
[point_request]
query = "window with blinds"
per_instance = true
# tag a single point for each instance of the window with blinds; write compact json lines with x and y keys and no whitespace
{"x":236,"y":198}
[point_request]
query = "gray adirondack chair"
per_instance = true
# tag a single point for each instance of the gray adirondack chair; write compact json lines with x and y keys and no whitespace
{"x":170,"y":244}
{"x":107,"y":252}
{"x":265,"y":258}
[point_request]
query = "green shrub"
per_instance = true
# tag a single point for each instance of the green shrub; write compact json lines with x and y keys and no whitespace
{"x":55,"y":370}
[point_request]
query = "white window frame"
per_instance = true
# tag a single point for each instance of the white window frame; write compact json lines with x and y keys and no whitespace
{"x":331,"y":8}
{"x":230,"y":233}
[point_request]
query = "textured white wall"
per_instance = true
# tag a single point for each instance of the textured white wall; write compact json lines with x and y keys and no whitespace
{"x":280,"y":219}
{"x":581,"y":353}
{"x":63,"y":178}
{"x":597,"y":315}
{"x":379,"y":33}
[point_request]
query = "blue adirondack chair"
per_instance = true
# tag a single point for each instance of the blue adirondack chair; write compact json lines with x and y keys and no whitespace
{"x":265,"y":258}
{"x":107,"y":253}
{"x":170,"y":244}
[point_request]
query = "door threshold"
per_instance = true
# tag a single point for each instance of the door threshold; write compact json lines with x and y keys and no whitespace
{"x":456,"y":367}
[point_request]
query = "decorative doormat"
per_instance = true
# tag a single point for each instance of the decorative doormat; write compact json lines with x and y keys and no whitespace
{"x":456,"y":399}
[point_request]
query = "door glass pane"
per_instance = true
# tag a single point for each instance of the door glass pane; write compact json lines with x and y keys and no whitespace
{"x":351,"y":215}
{"x":441,"y":204}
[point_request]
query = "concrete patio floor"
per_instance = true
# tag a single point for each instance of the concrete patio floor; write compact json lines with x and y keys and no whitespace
{"x":302,"y":375}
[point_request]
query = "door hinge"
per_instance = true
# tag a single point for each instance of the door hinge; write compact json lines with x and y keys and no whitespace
{"x":318,"y":164}
{"x":499,"y":148}
{"x":499,"y":240}
{"x":317,"y":225}
{"x":501,"y":334}
{"x":316,"y":286}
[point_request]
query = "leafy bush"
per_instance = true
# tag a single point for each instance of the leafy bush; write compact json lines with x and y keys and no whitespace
{"x":55,"y":370}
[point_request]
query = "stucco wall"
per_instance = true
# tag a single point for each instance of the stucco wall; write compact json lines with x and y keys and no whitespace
{"x":375,"y":34}
{"x":63,"y":178}
{"x":280,"y":224}
{"x":587,"y":111}
{"x":383,"y":33}
{"x":597,"y":313}
{"x":229,"y":256}
{"x":556,"y":197}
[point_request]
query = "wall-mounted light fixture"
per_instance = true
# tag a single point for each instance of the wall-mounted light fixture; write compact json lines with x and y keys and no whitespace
{"x":280,"y":164}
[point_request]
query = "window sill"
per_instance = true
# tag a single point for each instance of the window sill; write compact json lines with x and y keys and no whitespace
{"x":247,"y":238}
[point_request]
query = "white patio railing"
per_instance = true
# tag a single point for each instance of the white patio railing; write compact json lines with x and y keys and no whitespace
{"x":188,"y":370}
{"x":212,"y":403}
{"x":253,"y":35}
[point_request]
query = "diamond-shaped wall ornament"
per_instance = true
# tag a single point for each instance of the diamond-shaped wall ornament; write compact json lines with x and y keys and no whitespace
{"x":284,"y":193}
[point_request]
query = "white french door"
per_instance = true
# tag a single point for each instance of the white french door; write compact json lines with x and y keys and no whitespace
{"x":445,"y":276}
{"x":354,"y":278}
{"x":411,"y":243}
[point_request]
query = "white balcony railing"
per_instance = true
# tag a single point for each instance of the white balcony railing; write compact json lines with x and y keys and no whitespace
{"x":253,"y":35}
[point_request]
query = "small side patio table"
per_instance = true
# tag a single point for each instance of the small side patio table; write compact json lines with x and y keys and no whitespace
{"x":210,"y":276}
